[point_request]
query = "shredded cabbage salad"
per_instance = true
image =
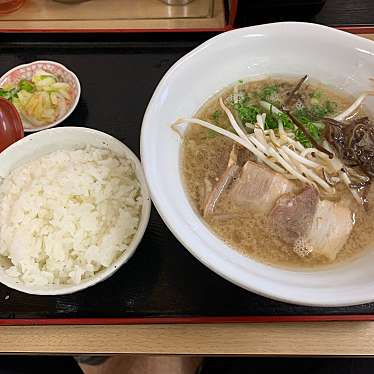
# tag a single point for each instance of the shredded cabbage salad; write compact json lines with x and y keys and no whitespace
{"x":41,"y":100}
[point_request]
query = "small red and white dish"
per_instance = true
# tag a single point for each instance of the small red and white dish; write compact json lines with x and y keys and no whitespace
{"x":64,"y":75}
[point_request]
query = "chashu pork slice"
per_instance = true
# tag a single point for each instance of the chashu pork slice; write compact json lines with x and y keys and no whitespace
{"x":223,"y":182}
{"x":322,"y":226}
{"x":292,"y":215}
{"x":258,"y":188}
{"x":331,"y":227}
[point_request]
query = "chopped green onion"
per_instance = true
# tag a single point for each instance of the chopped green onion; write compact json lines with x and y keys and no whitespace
{"x":247,"y":113}
{"x":26,"y":85}
{"x":317,"y":111}
{"x":316,"y":95}
{"x":8,"y":94}
{"x":211,"y":134}
{"x":267,"y":92}
{"x":216,"y":115}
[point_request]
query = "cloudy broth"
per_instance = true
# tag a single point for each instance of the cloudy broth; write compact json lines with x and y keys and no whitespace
{"x":204,"y":158}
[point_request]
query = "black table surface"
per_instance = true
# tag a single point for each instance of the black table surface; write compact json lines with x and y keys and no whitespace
{"x":332,"y":13}
{"x":118,"y":75}
{"x":346,"y":12}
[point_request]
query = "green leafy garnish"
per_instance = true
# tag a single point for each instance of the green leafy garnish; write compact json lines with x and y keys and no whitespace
{"x":26,"y":85}
{"x":317,"y":111}
{"x":287,"y":123}
{"x":216,"y":115}
{"x":316,"y":95}
{"x":267,"y":92}
{"x":272,"y":120}
{"x":211,"y":134}
{"x":240,"y":81}
{"x":247,"y":112}
{"x":8,"y":94}
{"x":330,"y":106}
{"x":312,"y":129}
{"x":320,"y":111}
{"x":12,"y":93}
{"x":247,"y":109}
{"x":299,"y":136}
{"x":308,"y":116}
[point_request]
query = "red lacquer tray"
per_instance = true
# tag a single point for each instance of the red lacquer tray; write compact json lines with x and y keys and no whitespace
{"x":162,"y":283}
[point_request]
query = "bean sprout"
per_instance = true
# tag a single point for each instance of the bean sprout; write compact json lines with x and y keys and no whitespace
{"x":279,"y":150}
{"x":342,"y":116}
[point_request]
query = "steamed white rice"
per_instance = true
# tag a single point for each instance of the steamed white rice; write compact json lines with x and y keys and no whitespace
{"x":67,"y":215}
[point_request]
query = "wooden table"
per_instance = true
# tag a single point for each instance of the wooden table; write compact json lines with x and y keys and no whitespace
{"x":327,"y":338}
{"x":114,"y":15}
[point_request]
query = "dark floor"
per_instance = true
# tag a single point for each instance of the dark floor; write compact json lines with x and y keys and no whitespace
{"x":184,"y":365}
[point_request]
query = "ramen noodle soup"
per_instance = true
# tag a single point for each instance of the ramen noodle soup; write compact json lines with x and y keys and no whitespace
{"x":280,"y":169}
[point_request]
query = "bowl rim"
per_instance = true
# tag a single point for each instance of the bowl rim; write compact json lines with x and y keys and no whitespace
{"x":297,"y":300}
{"x":125,"y":256}
{"x":73,"y":104}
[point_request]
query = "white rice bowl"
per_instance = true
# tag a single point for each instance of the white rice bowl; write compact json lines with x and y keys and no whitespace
{"x":69,"y":217}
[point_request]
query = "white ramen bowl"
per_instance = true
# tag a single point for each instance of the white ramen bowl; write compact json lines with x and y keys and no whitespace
{"x":334,"y":57}
{"x":67,"y":138}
